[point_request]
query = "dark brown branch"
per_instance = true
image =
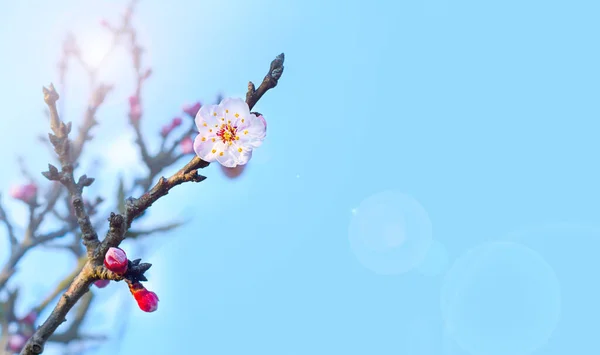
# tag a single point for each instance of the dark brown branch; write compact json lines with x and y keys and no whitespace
{"x":74,"y":330}
{"x":269,"y":82}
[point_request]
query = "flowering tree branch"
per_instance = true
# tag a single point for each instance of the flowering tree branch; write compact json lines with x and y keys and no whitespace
{"x":118,"y":223}
{"x":100,"y":260}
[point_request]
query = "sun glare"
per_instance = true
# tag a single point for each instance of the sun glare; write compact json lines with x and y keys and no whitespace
{"x":95,"y":48}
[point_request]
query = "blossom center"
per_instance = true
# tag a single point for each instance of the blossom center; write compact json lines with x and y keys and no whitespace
{"x":227,"y":133}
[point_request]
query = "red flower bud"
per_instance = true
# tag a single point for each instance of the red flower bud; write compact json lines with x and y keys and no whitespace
{"x":101,"y":283}
{"x":116,"y":260}
{"x":146,"y":300}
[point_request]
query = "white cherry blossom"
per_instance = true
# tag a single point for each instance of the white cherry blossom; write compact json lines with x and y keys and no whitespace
{"x":228,"y":133}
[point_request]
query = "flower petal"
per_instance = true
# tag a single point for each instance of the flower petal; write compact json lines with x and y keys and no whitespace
{"x":235,"y":110}
{"x":252,"y":131}
{"x":208,"y":118}
{"x":227,"y":157}
{"x":242,"y":153}
{"x":206,"y":149}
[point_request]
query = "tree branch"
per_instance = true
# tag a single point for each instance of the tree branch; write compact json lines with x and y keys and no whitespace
{"x":78,"y":288}
{"x":60,"y":141}
{"x":9,"y":227}
{"x":269,"y":82}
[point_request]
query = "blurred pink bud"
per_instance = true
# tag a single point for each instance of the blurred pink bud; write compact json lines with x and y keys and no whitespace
{"x":30,"y":318}
{"x":134,"y":100}
{"x":193,"y":109}
{"x":104,"y":23}
{"x":176,"y":122}
{"x":135,"y":109}
{"x":135,"y":113}
{"x":25,"y":193}
{"x":101,"y":283}
{"x":16,"y":342}
{"x":165,"y":130}
{"x":187,"y":145}
{"x":115,"y":260}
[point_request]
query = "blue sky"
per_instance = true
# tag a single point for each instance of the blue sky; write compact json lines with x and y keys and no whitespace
{"x":428,"y":184}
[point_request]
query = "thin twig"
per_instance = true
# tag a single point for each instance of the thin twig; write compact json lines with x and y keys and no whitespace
{"x":9,"y":227}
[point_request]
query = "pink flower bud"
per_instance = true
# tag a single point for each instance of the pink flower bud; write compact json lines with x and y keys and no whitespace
{"x":30,"y":318}
{"x":165,"y":130}
{"x":134,"y":100}
{"x":135,"y":109}
{"x":135,"y":113}
{"x":104,"y":23}
{"x":187,"y":145}
{"x":16,"y":342}
{"x":146,"y":300}
{"x":193,"y":109}
{"x":176,"y":122}
{"x":26,"y":193}
{"x":101,"y":283}
{"x":115,"y":260}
